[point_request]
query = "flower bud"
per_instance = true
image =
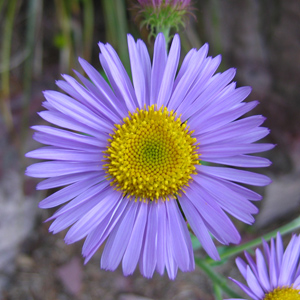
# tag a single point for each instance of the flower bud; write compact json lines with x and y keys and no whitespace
{"x":163,"y":15}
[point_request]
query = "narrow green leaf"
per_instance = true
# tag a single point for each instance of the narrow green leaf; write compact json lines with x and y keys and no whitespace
{"x":116,"y":28}
{"x":88,"y":26}
{"x":5,"y":61}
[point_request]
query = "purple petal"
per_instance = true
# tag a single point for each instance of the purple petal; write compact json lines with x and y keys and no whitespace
{"x":119,"y":238}
{"x":242,"y":190}
{"x":254,"y":284}
{"x":230,"y":130}
{"x":289,"y":262}
{"x":231,"y":149}
{"x":57,"y":168}
{"x":185,"y":66}
{"x":54,"y":153}
{"x":230,"y":201}
{"x":251,"y":263}
{"x":171,"y":264}
{"x":60,"y":119}
{"x":69,"y":192}
{"x":252,"y":136}
{"x":75,"y":210}
{"x":201,"y":126}
{"x":245,"y":161}
{"x":196,"y":222}
{"x":104,"y":92}
{"x":161,"y":237}
{"x":158,"y":66}
{"x":242,"y":266}
{"x":133,"y":250}
{"x":137,"y":72}
{"x":180,"y":238}
{"x":97,"y":236}
{"x":236,"y":175}
{"x":217,"y":83}
{"x":59,"y":181}
{"x":92,"y":218}
{"x":146,"y":66}
{"x":96,"y":192}
{"x":213,"y":216}
{"x":204,"y":78}
{"x":225,"y":99}
{"x":149,"y":255}
{"x":262,"y":271}
{"x":75,"y":110}
{"x":245,"y":289}
{"x":279,"y":249}
{"x":91,"y":101}
{"x":117,"y":76}
{"x":183,"y":86}
{"x":169,"y":73}
{"x":66,"y":139}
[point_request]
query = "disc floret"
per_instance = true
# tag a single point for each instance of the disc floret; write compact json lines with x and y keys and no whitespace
{"x":151,"y":155}
{"x":283,"y":293}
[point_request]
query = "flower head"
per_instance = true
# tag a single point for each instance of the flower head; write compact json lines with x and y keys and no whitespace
{"x":276,"y":273}
{"x":130,"y":157}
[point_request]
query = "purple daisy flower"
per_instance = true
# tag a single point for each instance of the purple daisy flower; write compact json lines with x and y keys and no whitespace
{"x":129,"y":157}
{"x":276,"y":273}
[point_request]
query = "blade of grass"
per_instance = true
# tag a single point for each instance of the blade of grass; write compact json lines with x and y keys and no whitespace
{"x":116,"y":28}
{"x":64,"y":20}
{"x":5,"y":60}
{"x":33,"y":12}
{"x":88,"y":26}
{"x":1,"y":5}
{"x":38,"y":47}
{"x":76,"y":30}
{"x":216,"y":26}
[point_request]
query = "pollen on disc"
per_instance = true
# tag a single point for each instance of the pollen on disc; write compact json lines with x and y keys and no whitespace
{"x":283,"y":293}
{"x":151,"y":154}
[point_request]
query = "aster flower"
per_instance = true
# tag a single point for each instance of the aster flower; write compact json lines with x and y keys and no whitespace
{"x":276,"y":273}
{"x":129,"y":157}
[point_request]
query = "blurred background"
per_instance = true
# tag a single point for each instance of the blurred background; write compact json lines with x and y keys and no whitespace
{"x":39,"y":40}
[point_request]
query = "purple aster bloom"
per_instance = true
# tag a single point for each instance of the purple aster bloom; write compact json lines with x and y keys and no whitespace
{"x":276,"y":273}
{"x":128,"y":157}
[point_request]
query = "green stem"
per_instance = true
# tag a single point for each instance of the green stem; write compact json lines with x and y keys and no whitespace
{"x":217,"y":292}
{"x":166,"y":33}
{"x":216,"y":279}
{"x":295,"y":224}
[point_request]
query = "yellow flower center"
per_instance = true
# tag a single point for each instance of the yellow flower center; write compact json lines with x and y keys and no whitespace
{"x":283,"y":293}
{"x":151,"y":155}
